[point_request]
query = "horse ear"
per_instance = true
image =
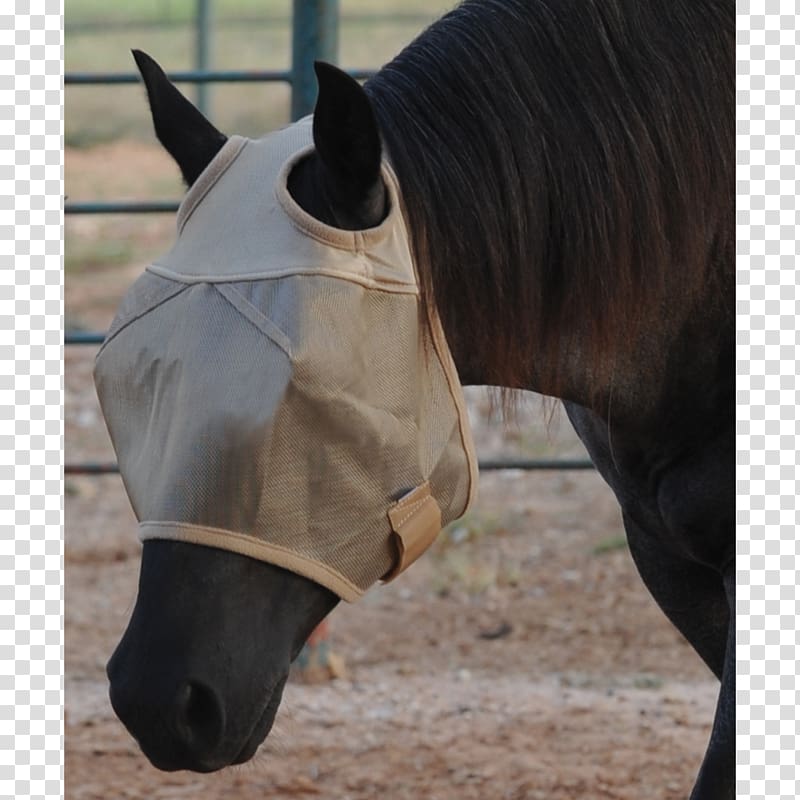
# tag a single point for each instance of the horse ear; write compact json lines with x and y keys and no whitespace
{"x":346,"y":134}
{"x":183,"y":131}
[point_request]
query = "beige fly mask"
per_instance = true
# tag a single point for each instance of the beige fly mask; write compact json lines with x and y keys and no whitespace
{"x":271,"y":389}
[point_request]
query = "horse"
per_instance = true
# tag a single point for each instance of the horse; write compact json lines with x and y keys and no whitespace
{"x":566,"y":174}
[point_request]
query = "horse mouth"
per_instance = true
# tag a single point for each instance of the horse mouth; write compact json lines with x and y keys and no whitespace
{"x":263,"y":725}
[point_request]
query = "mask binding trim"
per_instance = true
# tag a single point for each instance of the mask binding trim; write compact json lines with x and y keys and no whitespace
{"x":252,"y":547}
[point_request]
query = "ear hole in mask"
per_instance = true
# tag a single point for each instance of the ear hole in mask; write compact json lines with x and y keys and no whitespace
{"x":311,"y":188}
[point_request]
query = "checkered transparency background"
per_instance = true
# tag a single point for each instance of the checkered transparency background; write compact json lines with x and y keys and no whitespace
{"x":767,"y":216}
{"x":30,"y":400}
{"x":31,"y":417}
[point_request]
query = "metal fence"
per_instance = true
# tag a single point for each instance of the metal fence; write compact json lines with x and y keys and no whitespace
{"x":315,"y":36}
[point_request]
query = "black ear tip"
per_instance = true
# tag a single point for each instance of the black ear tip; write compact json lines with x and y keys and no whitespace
{"x":330,"y":74}
{"x":323,"y":70}
{"x":145,"y":63}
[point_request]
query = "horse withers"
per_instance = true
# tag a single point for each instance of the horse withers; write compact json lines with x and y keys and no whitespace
{"x":565,"y":177}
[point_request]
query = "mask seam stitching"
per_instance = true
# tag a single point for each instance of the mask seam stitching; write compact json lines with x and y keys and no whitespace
{"x":254,"y":317}
{"x":136,"y":317}
{"x":413,"y":510}
{"x":183,"y":216}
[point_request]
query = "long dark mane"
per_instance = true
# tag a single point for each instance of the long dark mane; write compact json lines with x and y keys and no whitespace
{"x":567,"y":171}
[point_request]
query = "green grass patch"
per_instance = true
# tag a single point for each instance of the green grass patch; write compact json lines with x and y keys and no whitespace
{"x":88,"y":256}
{"x":610,"y":545}
{"x":461,"y":558}
{"x":647,"y":681}
{"x":469,"y":529}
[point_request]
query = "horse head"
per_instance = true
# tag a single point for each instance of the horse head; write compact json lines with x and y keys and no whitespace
{"x":287,"y":431}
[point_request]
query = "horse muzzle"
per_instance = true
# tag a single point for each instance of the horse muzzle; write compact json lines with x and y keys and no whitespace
{"x":198,"y":675}
{"x":185,"y":728}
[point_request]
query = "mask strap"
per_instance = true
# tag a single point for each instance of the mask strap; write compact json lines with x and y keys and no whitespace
{"x":416,"y":521}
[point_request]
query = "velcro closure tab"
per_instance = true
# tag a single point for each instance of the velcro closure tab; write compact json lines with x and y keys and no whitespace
{"x":416,"y":521}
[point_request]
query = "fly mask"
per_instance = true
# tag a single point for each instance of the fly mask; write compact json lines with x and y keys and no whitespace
{"x":271,"y":387}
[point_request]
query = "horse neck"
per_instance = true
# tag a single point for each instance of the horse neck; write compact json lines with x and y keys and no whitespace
{"x":566,"y":227}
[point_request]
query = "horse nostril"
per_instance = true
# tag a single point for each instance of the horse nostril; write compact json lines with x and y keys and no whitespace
{"x":200,"y":716}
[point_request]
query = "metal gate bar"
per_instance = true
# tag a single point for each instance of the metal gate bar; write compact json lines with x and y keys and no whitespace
{"x":315,"y":29}
{"x":201,"y":76}
{"x":489,"y":465}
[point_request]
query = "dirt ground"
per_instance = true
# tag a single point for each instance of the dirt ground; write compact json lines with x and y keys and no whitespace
{"x":520,"y":659}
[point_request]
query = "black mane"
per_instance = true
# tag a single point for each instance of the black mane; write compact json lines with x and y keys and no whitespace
{"x":567,"y":171}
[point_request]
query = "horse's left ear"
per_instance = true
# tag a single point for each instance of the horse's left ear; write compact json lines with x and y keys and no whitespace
{"x":185,"y":133}
{"x":346,"y":134}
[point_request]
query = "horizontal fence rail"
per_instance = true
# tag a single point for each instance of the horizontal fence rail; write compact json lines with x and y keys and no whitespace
{"x":86,"y":25}
{"x":123,"y":207}
{"x":80,"y":337}
{"x":489,"y":465}
{"x":198,"y":76}
{"x":182,"y":76}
